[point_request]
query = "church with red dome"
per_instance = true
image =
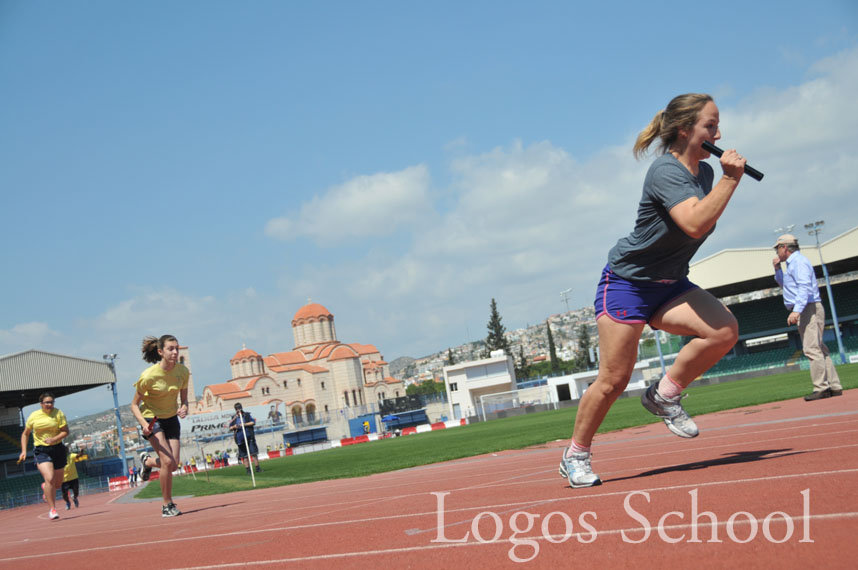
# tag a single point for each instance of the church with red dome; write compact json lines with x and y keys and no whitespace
{"x":318,"y":376}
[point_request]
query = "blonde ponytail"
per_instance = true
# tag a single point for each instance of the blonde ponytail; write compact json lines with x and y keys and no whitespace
{"x":680,"y":113}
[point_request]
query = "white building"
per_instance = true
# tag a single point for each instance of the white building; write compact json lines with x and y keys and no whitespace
{"x":467,"y":381}
{"x":572,"y":386}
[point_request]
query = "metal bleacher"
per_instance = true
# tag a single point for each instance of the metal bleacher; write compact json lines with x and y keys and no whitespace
{"x":775,"y":358}
{"x":760,"y":317}
{"x":10,"y":440}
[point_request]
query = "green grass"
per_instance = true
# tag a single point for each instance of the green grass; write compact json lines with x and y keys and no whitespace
{"x":486,"y":437}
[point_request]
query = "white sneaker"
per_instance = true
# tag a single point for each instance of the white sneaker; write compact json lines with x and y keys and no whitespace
{"x":576,"y":469}
{"x":671,"y":411}
{"x":54,"y":515}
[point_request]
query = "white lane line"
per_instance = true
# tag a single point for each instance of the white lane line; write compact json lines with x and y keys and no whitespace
{"x":364,"y":521}
{"x":507,"y":542}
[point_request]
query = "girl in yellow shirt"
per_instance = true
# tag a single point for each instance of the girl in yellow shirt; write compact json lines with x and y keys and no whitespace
{"x":48,"y":426}
{"x":71,"y":485}
{"x":156,"y":407}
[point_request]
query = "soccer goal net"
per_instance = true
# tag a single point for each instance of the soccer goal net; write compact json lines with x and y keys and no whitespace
{"x":514,"y":399}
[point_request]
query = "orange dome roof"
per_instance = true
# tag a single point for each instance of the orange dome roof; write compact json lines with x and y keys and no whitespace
{"x":311,"y":310}
{"x":244,"y":353}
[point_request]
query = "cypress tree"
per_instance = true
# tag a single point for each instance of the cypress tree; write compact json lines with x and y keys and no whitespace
{"x":552,"y":349}
{"x":496,"y":339}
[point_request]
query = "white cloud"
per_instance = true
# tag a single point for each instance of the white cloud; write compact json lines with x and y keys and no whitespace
{"x":157,"y":311}
{"x":24,"y":336}
{"x":365,"y":206}
{"x":520,"y":223}
{"x":803,"y":139}
{"x":528,"y":221}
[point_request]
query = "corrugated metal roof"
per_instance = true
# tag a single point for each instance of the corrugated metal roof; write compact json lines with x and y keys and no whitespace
{"x":733,"y":266}
{"x":35,"y":369}
{"x":755,"y":264}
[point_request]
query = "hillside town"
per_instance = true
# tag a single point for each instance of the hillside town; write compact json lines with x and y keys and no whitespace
{"x":531,"y":341}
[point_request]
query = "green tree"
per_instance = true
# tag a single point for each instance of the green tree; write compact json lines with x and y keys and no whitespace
{"x":522,"y":370}
{"x":552,"y":349}
{"x":496,"y":339}
{"x":450,"y":359}
{"x":582,"y":358}
{"x":425,"y":387}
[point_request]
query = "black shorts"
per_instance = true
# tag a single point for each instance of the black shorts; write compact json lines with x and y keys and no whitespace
{"x":56,"y":454}
{"x":170,"y":426}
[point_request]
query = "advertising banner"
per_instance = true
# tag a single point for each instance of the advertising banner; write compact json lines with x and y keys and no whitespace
{"x":210,"y":424}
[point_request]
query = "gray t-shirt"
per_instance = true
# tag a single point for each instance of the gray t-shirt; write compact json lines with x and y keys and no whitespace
{"x":658,"y":249}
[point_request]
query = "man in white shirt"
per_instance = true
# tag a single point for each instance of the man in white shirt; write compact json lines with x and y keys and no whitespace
{"x":794,"y":273}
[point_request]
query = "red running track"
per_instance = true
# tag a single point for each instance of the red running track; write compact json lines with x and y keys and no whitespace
{"x":767,"y":485}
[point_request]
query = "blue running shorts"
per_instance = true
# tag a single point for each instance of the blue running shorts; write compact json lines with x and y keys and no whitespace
{"x":628,"y":301}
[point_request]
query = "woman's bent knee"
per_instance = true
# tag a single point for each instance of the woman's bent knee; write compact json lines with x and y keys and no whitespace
{"x":729,"y":333}
{"x":609,"y":388}
{"x":724,"y":338}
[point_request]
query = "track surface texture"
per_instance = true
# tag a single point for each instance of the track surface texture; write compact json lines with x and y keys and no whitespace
{"x":775,"y":484}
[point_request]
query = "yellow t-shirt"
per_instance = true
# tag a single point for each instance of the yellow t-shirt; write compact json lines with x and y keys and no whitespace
{"x":70,"y":471}
{"x":160,"y":389}
{"x":45,"y":425}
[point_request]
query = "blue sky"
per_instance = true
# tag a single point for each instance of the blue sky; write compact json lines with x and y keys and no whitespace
{"x":203,"y":168}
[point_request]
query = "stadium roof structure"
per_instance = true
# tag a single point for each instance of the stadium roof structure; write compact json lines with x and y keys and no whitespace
{"x":735,"y":271}
{"x":25,"y":375}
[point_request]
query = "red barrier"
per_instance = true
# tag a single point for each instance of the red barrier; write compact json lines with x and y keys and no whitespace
{"x":118,"y":483}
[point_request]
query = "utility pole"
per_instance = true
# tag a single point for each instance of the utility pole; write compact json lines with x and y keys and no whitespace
{"x":565,"y":295}
{"x":110,"y":359}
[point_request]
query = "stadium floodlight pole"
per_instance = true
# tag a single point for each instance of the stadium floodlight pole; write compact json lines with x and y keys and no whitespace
{"x":247,"y":448}
{"x":565,"y":295}
{"x":110,"y":360}
{"x":813,"y":229}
